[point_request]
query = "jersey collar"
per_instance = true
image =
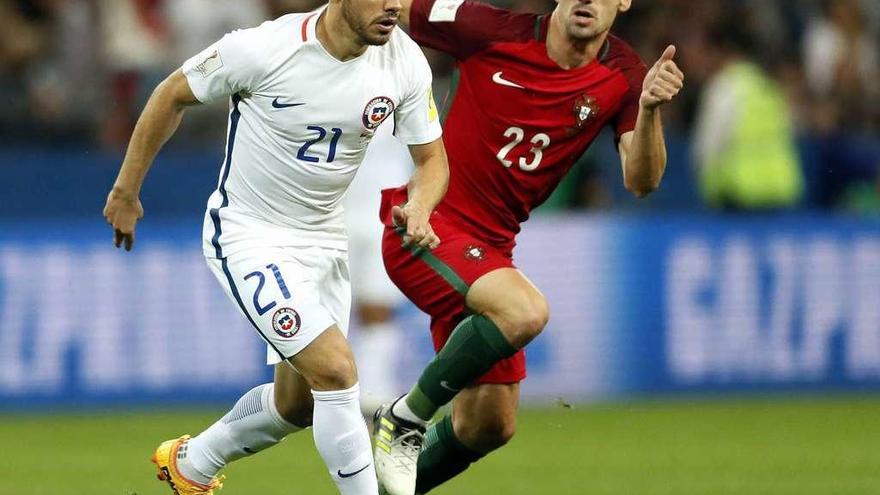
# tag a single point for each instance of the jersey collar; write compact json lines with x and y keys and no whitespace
{"x":309,"y":27}
{"x":542,"y":24}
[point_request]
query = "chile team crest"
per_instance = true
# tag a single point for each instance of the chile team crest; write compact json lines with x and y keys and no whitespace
{"x":585,"y":110}
{"x":377,"y":110}
{"x":286,"y":322}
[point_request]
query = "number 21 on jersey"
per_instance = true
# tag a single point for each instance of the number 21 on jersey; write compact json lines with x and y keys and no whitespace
{"x":539,"y":143}
{"x":303,"y":155}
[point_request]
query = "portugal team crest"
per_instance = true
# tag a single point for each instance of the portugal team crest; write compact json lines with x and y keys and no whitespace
{"x":377,"y":110}
{"x":475,"y":253}
{"x":286,"y":322}
{"x":585,"y":110}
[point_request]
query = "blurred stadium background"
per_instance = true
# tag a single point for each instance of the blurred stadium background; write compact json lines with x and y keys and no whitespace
{"x":721,"y":337}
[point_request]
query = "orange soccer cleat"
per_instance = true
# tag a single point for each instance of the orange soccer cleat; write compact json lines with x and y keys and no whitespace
{"x":165,"y":459}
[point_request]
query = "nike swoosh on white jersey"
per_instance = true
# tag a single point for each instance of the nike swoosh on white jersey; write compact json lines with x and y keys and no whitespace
{"x":496,"y":77}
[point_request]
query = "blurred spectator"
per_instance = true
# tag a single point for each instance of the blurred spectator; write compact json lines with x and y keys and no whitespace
{"x":47,"y":60}
{"x":135,"y":47}
{"x":79,"y":72}
{"x":21,"y":41}
{"x":21,"y":37}
{"x":193,"y":26}
{"x":841,"y":58}
{"x":744,"y":143}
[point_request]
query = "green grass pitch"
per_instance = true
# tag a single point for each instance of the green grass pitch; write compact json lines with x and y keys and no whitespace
{"x":755,"y":446}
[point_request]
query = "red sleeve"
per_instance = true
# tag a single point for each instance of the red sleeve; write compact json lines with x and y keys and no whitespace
{"x":629,"y":108}
{"x":623,"y":58}
{"x":462,"y":28}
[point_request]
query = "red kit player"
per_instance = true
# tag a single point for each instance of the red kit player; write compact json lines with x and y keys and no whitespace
{"x":534,"y":92}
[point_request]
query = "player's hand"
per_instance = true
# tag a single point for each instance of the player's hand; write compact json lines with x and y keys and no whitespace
{"x":122,"y":212}
{"x":418,"y":226}
{"x":663,"y":81}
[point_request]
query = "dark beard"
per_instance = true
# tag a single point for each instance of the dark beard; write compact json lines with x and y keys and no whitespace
{"x":360,"y":29}
{"x":582,"y":36}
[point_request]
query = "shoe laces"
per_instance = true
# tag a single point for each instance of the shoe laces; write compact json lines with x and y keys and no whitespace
{"x":407,"y":449}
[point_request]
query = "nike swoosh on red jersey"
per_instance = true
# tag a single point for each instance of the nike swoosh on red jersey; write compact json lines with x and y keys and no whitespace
{"x":496,"y":77}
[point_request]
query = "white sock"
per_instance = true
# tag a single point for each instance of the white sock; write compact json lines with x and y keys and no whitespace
{"x":402,"y":411}
{"x":377,"y":370}
{"x":342,"y":440}
{"x":253,"y":424}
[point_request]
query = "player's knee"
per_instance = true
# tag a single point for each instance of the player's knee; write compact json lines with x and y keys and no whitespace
{"x":538,"y":317}
{"x":338,"y":373}
{"x":531,"y":318}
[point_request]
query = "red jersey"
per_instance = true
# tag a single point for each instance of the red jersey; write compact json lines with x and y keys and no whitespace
{"x":518,"y":122}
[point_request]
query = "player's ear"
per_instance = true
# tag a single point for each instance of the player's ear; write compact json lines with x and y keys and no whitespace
{"x":624,"y":5}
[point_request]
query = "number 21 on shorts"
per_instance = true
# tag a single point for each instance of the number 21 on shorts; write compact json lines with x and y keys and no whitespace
{"x":263,"y":309}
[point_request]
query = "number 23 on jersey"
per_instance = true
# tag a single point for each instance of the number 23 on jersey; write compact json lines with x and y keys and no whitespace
{"x":532,"y":161}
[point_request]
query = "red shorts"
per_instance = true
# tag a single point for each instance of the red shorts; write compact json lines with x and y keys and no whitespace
{"x":437,"y":280}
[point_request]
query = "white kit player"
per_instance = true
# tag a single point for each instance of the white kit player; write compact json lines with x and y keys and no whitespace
{"x":308,"y":92}
{"x":387,"y":164}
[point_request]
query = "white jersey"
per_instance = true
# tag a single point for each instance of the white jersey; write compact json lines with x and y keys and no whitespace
{"x":299,"y":127}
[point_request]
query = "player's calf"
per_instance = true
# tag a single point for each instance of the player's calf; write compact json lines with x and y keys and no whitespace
{"x":293,"y":396}
{"x":472,"y":349}
{"x":339,"y":430}
{"x":487,"y":433}
{"x":484,"y":420}
{"x":299,"y":414}
{"x":485,"y":416}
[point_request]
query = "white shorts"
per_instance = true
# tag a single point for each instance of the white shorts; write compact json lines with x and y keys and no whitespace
{"x":290,"y":295}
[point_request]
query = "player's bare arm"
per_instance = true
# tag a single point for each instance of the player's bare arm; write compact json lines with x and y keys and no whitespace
{"x":156,"y":125}
{"x":643,"y":151}
{"x":426,"y":188}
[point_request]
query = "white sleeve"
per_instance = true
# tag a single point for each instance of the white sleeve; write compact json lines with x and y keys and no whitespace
{"x":236,"y":63}
{"x":417,"y":120}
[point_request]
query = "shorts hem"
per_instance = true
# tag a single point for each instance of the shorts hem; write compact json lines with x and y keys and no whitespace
{"x":297,"y":345}
{"x":500,"y":380}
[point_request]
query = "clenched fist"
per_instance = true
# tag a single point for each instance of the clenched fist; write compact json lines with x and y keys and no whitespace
{"x":417,"y":223}
{"x":663,"y":81}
